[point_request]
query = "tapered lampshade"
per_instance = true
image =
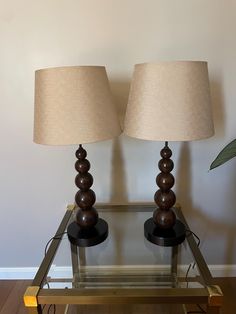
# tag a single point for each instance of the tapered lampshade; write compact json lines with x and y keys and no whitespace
{"x":169,"y":101}
{"x":73,"y":105}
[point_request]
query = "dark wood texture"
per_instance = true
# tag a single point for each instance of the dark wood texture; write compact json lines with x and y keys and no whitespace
{"x":127,"y":309}
{"x":11,"y":301}
{"x":89,"y":229}
{"x":87,"y":216}
{"x":165,"y":198}
{"x":164,"y":229}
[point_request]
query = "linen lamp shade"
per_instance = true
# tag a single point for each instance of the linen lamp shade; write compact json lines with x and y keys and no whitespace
{"x":169,"y":101}
{"x":73,"y":105}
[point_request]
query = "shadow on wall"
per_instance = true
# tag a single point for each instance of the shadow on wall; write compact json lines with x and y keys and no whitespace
{"x":119,"y":194}
{"x":184,"y":183}
{"x":217,"y":98}
{"x":120,"y":91}
{"x":208,"y":224}
{"x":118,"y":177}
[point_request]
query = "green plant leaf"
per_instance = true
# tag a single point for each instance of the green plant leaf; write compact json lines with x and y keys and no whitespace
{"x":226,"y":154}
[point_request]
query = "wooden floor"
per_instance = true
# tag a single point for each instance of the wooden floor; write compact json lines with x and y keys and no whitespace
{"x":11,"y":292}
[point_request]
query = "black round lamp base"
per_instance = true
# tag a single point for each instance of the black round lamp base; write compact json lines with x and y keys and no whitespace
{"x":164,"y":237}
{"x":89,"y":237}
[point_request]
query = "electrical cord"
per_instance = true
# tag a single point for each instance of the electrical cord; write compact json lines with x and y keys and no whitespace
{"x":54,"y":308}
{"x":58,"y":236}
{"x":193,"y":266}
{"x":199,"y":241}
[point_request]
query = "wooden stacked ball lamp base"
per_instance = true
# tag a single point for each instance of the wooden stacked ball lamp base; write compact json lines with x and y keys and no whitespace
{"x":164,"y":228}
{"x":88,"y":229}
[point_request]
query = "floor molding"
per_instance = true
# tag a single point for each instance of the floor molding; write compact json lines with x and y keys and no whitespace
{"x":65,"y":271}
{"x":17,"y":273}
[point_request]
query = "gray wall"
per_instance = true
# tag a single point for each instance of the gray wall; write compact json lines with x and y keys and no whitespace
{"x":38,"y":181}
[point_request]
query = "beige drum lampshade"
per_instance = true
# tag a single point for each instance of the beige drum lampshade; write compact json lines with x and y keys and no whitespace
{"x":170,"y":101}
{"x":73,"y":105}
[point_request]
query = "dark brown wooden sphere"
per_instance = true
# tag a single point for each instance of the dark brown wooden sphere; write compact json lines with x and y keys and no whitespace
{"x":165,"y":219}
{"x":166,"y":165}
{"x":87,"y":218}
{"x":165,"y":200}
{"x":82,"y":166}
{"x":166,"y":152}
{"x":165,"y":181}
{"x":84,"y":181}
{"x":81,"y":153}
{"x":85,"y":199}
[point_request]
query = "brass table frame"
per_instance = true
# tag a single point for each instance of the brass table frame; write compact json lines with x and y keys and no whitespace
{"x":35,"y":296}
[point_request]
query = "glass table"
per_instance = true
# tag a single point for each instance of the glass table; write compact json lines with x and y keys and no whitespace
{"x":124,"y":269}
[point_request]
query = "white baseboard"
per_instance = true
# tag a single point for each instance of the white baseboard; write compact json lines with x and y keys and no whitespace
{"x":17,"y":272}
{"x":223,"y":270}
{"x":24,"y":273}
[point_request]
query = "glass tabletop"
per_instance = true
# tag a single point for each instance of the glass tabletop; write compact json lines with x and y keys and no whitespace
{"x":125,"y":260}
{"x":125,"y":269}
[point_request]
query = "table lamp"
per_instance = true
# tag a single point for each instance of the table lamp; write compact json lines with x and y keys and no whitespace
{"x":168,"y":101}
{"x":73,"y":105}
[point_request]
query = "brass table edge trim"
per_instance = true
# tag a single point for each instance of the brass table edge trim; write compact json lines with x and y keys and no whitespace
{"x":215,"y":296}
{"x":30,"y":296}
{"x":112,"y":296}
{"x":129,"y":207}
{"x":71,"y":207}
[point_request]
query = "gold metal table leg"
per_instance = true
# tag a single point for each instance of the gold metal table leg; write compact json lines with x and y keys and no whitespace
{"x":215,"y":299}
{"x":31,"y":301}
{"x":75,"y":264}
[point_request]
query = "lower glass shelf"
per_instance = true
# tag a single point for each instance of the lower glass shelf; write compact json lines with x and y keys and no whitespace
{"x":119,"y":277}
